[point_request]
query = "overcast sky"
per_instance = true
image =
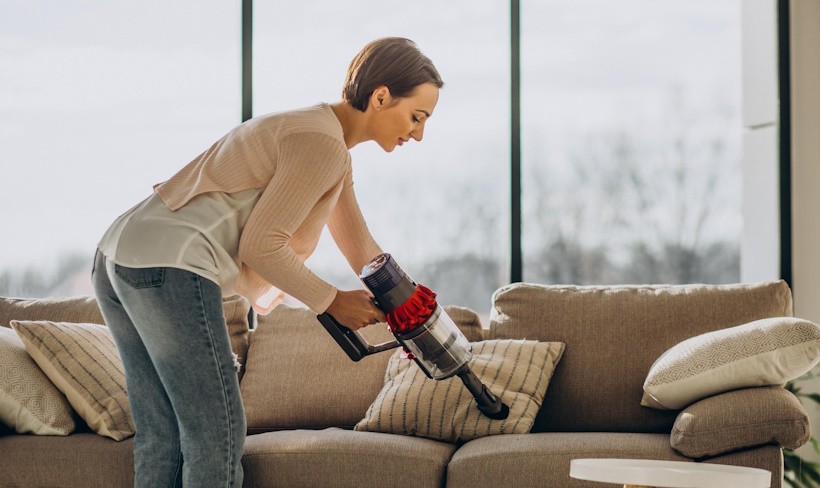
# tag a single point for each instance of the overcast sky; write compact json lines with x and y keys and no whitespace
{"x":100,"y":99}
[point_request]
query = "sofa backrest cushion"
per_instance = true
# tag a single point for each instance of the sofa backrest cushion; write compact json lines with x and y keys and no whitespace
{"x":298,"y":377}
{"x":613,"y":335}
{"x":84,"y":309}
{"x":73,"y":309}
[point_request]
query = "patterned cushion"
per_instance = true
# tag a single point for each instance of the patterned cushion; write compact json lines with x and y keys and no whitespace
{"x":82,"y":361}
{"x":764,"y":352}
{"x":516,"y":370}
{"x":28,"y":400}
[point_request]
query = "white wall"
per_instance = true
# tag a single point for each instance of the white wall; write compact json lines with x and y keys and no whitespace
{"x":760,"y":250}
{"x":760,"y":245}
{"x":805,"y":120}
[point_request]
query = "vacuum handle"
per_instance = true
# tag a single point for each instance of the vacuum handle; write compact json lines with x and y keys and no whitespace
{"x":351,"y":342}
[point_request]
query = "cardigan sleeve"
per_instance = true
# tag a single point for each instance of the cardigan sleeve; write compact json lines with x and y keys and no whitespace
{"x":349,"y":230}
{"x":309,"y":165}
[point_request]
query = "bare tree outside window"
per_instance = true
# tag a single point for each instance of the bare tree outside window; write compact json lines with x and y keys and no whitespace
{"x":641,"y":208}
{"x":631,"y":142}
{"x":630,"y":129}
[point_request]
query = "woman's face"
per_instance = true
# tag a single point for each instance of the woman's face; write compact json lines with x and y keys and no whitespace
{"x":397,"y":120}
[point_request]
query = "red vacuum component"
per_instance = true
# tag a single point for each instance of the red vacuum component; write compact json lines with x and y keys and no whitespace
{"x":413,"y":312}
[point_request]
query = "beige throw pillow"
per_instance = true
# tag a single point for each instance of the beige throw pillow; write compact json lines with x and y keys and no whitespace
{"x":82,"y":361}
{"x":516,"y":370}
{"x":764,"y":352}
{"x":29,"y":402}
{"x":740,"y":419}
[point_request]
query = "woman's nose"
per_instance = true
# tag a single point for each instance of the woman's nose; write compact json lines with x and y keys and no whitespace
{"x":418,"y":133}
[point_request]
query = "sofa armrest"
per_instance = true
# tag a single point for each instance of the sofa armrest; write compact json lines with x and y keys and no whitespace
{"x":740,"y":419}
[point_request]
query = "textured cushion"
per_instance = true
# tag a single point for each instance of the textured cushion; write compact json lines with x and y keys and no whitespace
{"x":468,"y":322}
{"x":290,"y":349}
{"x":81,"y":309}
{"x":542,"y":460}
{"x":29,"y":402}
{"x":84,"y":309}
{"x":741,"y":419}
{"x":613,"y":335}
{"x":517,"y":371}
{"x":764,"y":352}
{"x":81,"y":460}
{"x":82,"y":361}
{"x":343,"y":459}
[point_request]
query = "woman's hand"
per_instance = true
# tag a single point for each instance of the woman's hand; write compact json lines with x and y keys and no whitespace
{"x":355,"y":309}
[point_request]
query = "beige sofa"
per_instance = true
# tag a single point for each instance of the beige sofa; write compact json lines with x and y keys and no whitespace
{"x":303,"y":395}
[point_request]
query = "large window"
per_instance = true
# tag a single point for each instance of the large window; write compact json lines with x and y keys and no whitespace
{"x":631,"y":139}
{"x":439,"y":206}
{"x":99,"y":101}
{"x":630,"y":132}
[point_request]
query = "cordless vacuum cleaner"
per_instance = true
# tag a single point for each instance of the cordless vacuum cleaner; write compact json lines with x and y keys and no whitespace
{"x":421,"y":326}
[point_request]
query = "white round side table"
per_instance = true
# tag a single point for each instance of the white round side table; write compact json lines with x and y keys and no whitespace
{"x":668,"y":474}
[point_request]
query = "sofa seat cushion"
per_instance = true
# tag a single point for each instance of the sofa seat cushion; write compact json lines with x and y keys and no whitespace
{"x":539,"y":460}
{"x":343,"y":458}
{"x":613,"y":335}
{"x":81,"y":459}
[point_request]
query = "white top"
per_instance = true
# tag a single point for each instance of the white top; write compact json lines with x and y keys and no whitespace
{"x":669,"y":474}
{"x":201,"y":237}
{"x":249,"y":210}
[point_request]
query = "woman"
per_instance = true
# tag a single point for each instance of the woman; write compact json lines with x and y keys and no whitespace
{"x":243,"y":217}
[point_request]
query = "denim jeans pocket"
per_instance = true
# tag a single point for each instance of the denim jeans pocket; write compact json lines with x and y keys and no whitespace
{"x":140,"y":277}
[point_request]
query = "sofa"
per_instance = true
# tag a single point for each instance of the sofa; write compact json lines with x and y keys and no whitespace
{"x":303,"y":396}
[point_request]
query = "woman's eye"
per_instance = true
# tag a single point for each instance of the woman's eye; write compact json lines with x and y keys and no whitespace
{"x":416,"y":120}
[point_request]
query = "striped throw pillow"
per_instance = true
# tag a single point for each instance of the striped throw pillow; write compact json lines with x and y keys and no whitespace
{"x":411,"y":404}
{"x":82,"y":362}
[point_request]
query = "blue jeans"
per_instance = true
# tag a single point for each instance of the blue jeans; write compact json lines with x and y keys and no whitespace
{"x":183,"y":390}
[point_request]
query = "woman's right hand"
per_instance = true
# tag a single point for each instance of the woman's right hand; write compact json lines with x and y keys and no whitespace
{"x":355,"y":309}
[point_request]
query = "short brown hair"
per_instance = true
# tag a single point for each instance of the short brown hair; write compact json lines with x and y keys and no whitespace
{"x":394,"y":62}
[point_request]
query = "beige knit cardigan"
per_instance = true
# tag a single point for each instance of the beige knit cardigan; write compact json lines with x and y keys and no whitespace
{"x":301,"y":160}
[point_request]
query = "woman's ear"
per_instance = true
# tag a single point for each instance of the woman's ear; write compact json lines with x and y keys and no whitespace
{"x":381,"y":98}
